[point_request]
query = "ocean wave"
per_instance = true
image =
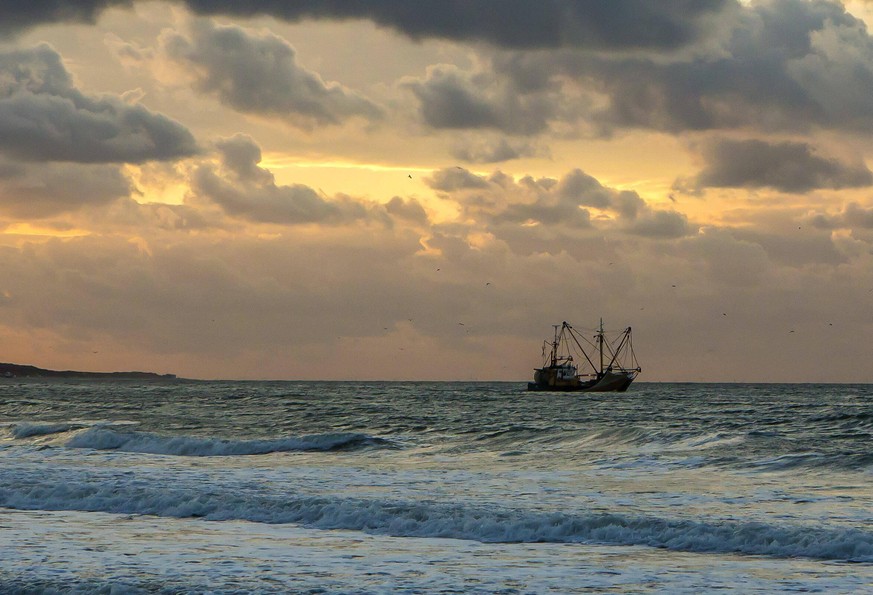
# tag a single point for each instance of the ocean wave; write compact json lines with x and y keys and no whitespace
{"x":852,"y":461}
{"x":712,"y":440}
{"x":427,"y":519}
{"x":100,"y":438}
{"x":634,"y":439}
{"x":860,"y":417}
{"x":514,"y":433}
{"x":640,"y":447}
{"x":34,"y":429}
{"x":626,"y":436}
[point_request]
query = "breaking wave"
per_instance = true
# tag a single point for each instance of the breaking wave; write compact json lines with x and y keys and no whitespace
{"x":101,"y":438}
{"x":34,"y":429}
{"x":435,"y":519}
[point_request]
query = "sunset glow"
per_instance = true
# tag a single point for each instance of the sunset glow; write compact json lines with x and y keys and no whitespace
{"x":268,"y":190}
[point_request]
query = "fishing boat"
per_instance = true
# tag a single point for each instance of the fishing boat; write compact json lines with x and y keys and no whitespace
{"x":573,"y":362}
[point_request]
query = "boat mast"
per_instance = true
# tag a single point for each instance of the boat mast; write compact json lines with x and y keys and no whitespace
{"x":624,"y":344}
{"x":555,"y":346}
{"x":600,"y":339}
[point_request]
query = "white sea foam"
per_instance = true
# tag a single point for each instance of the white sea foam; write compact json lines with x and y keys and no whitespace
{"x":131,"y":495}
{"x":101,"y":438}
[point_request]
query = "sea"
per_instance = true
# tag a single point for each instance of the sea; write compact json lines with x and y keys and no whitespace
{"x":433,"y":487}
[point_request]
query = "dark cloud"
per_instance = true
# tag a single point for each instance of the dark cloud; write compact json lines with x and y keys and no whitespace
{"x":787,"y":166}
{"x":259,"y":74}
{"x":454,"y":179}
{"x":18,"y":16}
{"x":494,"y":151}
{"x":853,"y":216}
{"x":777,"y":70}
{"x":548,"y":212}
{"x":47,"y":189}
{"x":579,"y":188}
{"x":43,"y":117}
{"x":700,"y":95}
{"x":240,"y":156}
{"x":409,"y":209}
{"x":660,"y":224}
{"x":449,"y":100}
{"x":453,"y":99}
{"x":771,"y":66}
{"x":513,"y":23}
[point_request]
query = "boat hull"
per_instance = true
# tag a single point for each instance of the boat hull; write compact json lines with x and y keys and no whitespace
{"x":609,"y":382}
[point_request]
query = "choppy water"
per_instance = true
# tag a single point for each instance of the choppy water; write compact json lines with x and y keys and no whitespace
{"x":220,"y":487}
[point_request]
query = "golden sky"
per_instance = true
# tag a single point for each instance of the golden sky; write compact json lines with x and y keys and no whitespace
{"x":396,"y":190}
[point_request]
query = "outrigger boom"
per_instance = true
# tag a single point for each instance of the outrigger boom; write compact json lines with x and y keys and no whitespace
{"x":613,"y":368}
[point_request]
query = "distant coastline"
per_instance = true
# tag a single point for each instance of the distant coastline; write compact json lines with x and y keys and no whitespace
{"x":26,"y":371}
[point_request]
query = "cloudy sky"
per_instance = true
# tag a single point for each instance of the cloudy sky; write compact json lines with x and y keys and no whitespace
{"x":419,"y":190}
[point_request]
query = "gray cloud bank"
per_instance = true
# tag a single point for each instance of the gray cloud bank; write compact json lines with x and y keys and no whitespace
{"x":777,"y":68}
{"x":772,"y":66}
{"x":259,"y":74}
{"x":510,"y":23}
{"x":786,"y":166}
{"x":672,"y":66}
{"x":18,"y":16}
{"x":44,"y":117}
